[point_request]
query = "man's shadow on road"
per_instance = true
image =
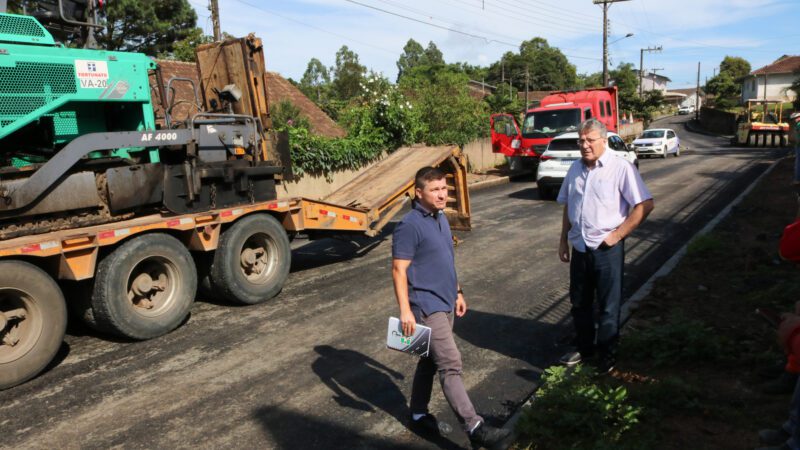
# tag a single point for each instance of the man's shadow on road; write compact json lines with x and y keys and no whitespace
{"x":362,"y":383}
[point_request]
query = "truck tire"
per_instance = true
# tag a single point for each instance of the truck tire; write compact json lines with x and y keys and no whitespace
{"x":34,"y":315}
{"x":144,"y":288}
{"x":252,"y":260}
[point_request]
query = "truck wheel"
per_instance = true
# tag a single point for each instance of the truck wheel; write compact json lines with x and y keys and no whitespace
{"x":33,"y":318}
{"x":145,"y":287}
{"x":252,"y":260}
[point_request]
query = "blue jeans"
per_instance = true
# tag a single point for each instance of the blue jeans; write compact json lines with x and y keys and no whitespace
{"x":797,"y":163}
{"x":597,"y":275}
{"x":791,"y":425}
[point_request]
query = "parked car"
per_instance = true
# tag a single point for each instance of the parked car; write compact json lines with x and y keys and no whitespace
{"x":562,"y":151}
{"x":659,"y":142}
{"x":686,"y":109}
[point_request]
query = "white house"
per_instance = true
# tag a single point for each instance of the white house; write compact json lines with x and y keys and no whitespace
{"x":775,"y":78}
{"x":653,"y":81}
{"x":684,"y":97}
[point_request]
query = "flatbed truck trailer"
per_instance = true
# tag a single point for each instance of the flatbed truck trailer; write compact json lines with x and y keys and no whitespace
{"x":142,"y":274}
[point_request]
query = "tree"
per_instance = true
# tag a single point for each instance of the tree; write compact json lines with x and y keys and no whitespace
{"x":544,"y":67}
{"x":148,"y":26}
{"x":415,"y":56}
{"x":184,"y":50}
{"x":626,"y":79}
{"x":449,"y":113}
{"x":725,"y":90}
{"x":795,"y":86}
{"x":412,"y":56}
{"x":737,"y":67}
{"x":347,"y":74}
{"x":433,"y":55}
{"x":587,"y":81}
{"x":316,"y":81}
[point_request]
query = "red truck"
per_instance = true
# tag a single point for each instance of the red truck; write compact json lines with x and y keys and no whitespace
{"x":560,"y":112}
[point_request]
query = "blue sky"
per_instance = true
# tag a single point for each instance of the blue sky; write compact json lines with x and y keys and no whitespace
{"x":480,"y":31}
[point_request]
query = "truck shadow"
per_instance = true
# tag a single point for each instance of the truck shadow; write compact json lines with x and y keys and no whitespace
{"x":332,"y":250}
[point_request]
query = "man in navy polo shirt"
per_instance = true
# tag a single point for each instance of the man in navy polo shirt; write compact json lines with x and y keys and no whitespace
{"x":427,"y":291}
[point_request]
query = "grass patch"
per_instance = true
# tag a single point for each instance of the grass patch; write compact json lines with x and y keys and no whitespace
{"x":676,"y":340}
{"x":573,"y":410}
{"x":704,"y":245}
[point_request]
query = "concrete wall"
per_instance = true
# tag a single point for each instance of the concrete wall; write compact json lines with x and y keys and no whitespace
{"x":312,"y":186}
{"x":717,"y":121}
{"x":316,"y":186}
{"x":480,"y":155}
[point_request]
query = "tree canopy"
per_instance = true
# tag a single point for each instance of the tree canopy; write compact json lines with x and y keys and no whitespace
{"x":148,"y":26}
{"x":544,"y":67}
{"x":348,"y":74}
{"x":316,"y":81}
{"x":415,"y":56}
{"x":737,"y":67}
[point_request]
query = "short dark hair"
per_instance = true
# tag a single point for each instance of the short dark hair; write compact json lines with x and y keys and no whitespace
{"x":425,"y":175}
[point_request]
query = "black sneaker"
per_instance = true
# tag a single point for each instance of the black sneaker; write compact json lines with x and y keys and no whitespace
{"x":428,"y":424}
{"x":487,"y":436}
{"x":605,"y":364}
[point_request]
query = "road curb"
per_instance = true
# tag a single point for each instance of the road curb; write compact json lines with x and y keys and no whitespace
{"x":498,"y":181}
{"x":631,"y":305}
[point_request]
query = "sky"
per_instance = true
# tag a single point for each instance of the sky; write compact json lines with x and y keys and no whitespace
{"x":479,"y":32}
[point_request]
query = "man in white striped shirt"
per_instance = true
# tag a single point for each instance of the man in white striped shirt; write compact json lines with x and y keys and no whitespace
{"x":604,"y":200}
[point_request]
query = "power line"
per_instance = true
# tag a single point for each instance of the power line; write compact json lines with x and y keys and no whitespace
{"x":454,"y":30}
{"x":317,"y":28}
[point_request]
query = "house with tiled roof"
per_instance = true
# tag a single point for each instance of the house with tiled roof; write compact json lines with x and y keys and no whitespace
{"x":772,"y":80}
{"x":185,"y":103}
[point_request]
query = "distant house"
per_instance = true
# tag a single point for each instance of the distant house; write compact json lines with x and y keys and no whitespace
{"x":773,"y":80}
{"x":652,"y":81}
{"x":684,"y":97}
{"x":185,"y":104}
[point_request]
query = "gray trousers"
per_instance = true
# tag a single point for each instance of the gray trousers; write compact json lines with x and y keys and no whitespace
{"x":444,"y":358}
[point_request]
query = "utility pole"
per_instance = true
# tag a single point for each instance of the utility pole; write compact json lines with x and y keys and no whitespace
{"x":214,"y":8}
{"x":654,"y":76}
{"x":606,"y":4}
{"x":527,"y":79}
{"x":697,"y":95}
{"x":641,"y":64}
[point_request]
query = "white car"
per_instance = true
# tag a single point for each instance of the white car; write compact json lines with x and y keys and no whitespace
{"x":562,"y":151}
{"x":658,"y":142}
{"x":686,"y":109}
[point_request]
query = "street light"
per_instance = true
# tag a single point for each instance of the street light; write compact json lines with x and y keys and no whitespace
{"x":623,"y":37}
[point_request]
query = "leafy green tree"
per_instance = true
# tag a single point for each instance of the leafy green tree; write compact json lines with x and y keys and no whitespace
{"x":449,"y":113}
{"x":501,"y":101}
{"x":433,"y":55}
{"x":148,"y":26}
{"x":626,"y":78}
{"x":184,"y":50}
{"x":348,"y":74}
{"x":795,"y":86}
{"x":412,"y":56}
{"x":725,"y":89}
{"x":737,"y":67}
{"x":544,"y":67}
{"x":587,"y":81}
{"x":316,"y":81}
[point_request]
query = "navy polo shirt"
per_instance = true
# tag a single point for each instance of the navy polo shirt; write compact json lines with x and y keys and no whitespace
{"x":424,"y":238}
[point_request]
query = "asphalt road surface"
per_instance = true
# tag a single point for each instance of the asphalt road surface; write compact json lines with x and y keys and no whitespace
{"x":309,"y":369}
